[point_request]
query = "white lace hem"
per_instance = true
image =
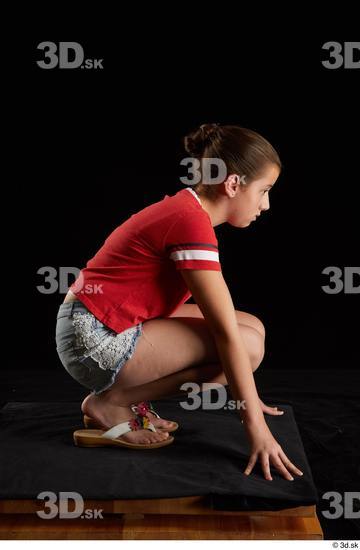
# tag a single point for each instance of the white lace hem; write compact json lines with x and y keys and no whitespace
{"x":101,"y":344}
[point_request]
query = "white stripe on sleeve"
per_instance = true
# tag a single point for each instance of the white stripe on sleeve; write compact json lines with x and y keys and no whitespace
{"x":195,"y":255}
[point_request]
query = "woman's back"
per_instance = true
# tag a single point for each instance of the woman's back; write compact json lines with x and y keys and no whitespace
{"x":135,"y":275}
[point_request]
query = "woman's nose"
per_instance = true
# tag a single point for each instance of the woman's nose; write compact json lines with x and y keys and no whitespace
{"x":265,"y":203}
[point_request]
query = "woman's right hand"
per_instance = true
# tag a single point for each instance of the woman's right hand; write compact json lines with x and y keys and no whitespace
{"x":265,"y":448}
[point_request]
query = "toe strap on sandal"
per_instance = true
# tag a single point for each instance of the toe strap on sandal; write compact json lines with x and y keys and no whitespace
{"x":143,"y":408}
{"x":138,"y":423}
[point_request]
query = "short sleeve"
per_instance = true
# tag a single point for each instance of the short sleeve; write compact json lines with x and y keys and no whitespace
{"x":192,"y":244}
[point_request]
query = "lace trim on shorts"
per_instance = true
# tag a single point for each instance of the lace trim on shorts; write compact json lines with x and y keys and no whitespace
{"x":103,"y":345}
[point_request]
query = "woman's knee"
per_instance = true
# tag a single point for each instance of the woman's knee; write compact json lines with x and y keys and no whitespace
{"x":255,"y":344}
{"x":250,"y":320}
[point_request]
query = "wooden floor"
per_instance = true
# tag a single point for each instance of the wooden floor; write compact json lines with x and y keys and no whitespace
{"x":156,"y":520}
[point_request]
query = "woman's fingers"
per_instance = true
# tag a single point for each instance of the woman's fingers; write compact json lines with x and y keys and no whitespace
{"x":268,"y":409}
{"x":289,"y":465}
{"x":280,"y":462}
{"x":250,"y":465}
{"x":280,"y":466}
{"x":271,"y":410}
{"x":274,"y":411}
{"x":265,"y":463}
{"x":266,"y":466}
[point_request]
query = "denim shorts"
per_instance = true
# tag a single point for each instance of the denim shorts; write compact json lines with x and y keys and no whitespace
{"x":91,"y":352}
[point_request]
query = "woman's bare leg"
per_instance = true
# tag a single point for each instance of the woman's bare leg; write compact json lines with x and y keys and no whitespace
{"x":170,"y":351}
{"x":242,"y":317}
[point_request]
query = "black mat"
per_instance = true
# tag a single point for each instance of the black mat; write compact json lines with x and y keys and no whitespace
{"x":208,"y":456}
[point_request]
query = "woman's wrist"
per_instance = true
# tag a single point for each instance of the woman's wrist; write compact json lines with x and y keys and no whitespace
{"x":252,"y":420}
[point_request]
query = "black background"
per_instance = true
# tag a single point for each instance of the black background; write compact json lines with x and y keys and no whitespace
{"x":91,"y":147}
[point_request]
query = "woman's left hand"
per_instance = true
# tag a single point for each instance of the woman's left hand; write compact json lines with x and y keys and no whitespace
{"x":270,"y":410}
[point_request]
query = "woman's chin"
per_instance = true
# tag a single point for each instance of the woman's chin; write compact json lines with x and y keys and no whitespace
{"x":247,"y":223}
{"x":242,"y":224}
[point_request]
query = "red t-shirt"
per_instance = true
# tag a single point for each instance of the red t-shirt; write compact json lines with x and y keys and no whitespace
{"x":135,"y":275}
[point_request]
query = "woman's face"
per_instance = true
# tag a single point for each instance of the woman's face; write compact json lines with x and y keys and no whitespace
{"x":252,"y":199}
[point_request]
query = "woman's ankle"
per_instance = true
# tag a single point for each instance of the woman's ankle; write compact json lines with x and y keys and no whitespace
{"x":106,"y":413}
{"x":108,"y":398}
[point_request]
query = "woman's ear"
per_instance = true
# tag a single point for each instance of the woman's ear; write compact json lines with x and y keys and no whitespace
{"x":231,"y":184}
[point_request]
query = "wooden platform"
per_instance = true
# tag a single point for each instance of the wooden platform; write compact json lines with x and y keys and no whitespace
{"x":189,"y":518}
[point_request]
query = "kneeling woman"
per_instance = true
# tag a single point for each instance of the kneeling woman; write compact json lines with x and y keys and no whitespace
{"x":124,"y":330}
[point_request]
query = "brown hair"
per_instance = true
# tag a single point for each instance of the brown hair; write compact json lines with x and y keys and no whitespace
{"x":244,"y":152}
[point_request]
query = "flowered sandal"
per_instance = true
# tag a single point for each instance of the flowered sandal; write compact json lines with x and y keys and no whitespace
{"x":141,"y":409}
{"x":144,"y":407}
{"x":110,"y":438}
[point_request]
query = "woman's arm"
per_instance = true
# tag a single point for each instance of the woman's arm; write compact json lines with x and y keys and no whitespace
{"x":212,"y":295}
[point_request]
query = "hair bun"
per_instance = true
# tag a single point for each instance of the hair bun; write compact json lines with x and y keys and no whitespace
{"x":196,"y":142}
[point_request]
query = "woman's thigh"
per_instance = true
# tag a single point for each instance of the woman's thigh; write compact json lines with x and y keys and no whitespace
{"x":168,"y":345}
{"x":243,"y":318}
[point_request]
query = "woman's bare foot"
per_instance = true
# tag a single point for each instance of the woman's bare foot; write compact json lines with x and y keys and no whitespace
{"x":158,"y":422}
{"x":108,"y":415}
